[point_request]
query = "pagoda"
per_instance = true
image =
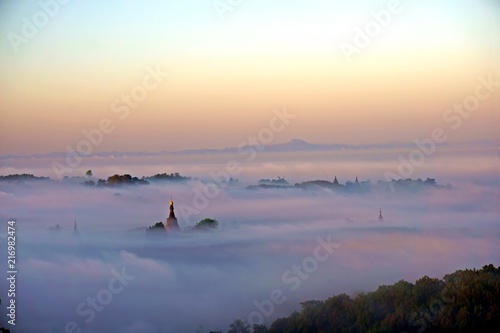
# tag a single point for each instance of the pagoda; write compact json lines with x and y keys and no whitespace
{"x":171,"y":224}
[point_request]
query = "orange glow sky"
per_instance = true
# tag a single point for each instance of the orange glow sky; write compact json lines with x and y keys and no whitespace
{"x":227,"y":75}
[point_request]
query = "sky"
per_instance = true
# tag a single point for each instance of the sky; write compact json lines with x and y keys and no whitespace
{"x":221,"y":71}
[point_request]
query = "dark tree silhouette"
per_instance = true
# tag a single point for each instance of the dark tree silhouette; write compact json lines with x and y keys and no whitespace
{"x":207,"y":223}
{"x":259,"y":328}
{"x":239,"y":326}
{"x":157,"y":227}
{"x":126,"y":179}
{"x":464,"y":301}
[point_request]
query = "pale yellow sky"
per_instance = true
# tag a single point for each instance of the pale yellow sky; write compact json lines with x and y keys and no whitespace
{"x":226,"y":76}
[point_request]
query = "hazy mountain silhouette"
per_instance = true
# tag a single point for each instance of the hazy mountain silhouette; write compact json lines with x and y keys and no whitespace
{"x":295,"y":145}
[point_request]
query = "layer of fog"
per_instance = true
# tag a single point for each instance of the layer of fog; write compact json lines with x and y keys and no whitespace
{"x":210,"y":279}
{"x":475,"y":162}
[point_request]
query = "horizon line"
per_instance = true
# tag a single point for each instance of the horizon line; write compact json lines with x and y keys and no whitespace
{"x":325,"y":146}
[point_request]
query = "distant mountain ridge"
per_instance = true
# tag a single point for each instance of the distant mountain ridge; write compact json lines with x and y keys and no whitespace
{"x":295,"y":145}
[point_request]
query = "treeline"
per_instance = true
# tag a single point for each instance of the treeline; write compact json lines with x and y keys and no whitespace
{"x":206,"y":224}
{"x":22,"y":178}
{"x":126,"y":179}
{"x":355,"y":186}
{"x":367,"y":185}
{"x":168,"y":177}
{"x":89,"y":180}
{"x":464,"y":301}
{"x":117,"y":180}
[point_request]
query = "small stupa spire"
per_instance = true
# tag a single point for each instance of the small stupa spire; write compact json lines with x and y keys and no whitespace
{"x":75,"y":230}
{"x":171,"y":223}
{"x":380,"y":218}
{"x":335,"y":181}
{"x":172,"y":214}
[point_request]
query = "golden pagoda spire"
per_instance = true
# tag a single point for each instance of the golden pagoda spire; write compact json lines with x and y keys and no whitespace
{"x":171,"y":223}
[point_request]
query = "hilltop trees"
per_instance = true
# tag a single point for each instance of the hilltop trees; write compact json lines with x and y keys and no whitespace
{"x":206,"y":224}
{"x":464,"y":301}
{"x":157,"y":227}
{"x":168,"y":177}
{"x":23,"y":178}
{"x":126,"y":179}
{"x":239,"y":326}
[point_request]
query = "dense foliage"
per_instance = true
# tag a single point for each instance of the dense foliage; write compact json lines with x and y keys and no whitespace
{"x":279,"y":181}
{"x":205,"y":224}
{"x":22,"y":178}
{"x":168,"y":177}
{"x":126,"y":179}
{"x":464,"y":301}
{"x":157,"y":227}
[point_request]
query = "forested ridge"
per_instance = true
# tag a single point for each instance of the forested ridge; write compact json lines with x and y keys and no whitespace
{"x":464,"y":301}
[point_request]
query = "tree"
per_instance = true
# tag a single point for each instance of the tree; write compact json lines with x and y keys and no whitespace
{"x":310,"y":303}
{"x":126,"y":179}
{"x":465,"y":301}
{"x":425,"y":288}
{"x":259,"y":328}
{"x":239,"y":326}
{"x":89,"y":173}
{"x":157,"y":227}
{"x":207,"y":223}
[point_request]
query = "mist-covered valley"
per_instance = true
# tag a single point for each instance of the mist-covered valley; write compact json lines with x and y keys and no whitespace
{"x":272,"y":245}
